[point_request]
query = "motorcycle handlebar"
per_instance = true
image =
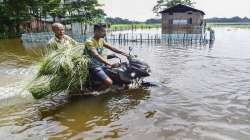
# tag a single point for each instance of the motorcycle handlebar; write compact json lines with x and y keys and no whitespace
{"x":130,"y":57}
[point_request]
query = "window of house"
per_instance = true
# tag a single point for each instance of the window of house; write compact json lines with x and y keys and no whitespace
{"x":180,"y":21}
{"x":190,"y":21}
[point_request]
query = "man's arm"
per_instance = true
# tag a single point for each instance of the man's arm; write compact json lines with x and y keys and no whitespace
{"x":115,"y":50}
{"x":72,"y":41}
{"x":99,"y":57}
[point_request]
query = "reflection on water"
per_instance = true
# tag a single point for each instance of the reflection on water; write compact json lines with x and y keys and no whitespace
{"x":202,"y":93}
{"x":64,"y":117}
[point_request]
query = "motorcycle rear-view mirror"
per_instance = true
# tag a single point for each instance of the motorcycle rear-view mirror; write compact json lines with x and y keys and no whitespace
{"x":130,"y":49}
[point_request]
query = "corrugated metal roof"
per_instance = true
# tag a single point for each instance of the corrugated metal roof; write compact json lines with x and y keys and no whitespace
{"x":180,"y":8}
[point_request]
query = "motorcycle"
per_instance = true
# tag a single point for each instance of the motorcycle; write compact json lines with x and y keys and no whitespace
{"x":129,"y":73}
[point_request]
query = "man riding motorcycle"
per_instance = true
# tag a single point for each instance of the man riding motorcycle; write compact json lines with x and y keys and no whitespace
{"x":95,"y":49}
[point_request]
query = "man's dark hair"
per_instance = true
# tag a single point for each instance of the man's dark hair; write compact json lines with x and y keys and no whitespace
{"x":99,"y":26}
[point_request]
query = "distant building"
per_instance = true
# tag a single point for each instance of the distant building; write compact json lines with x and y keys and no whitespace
{"x":182,"y":19}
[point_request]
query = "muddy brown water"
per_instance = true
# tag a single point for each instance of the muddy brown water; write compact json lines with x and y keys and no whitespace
{"x":203,"y":93}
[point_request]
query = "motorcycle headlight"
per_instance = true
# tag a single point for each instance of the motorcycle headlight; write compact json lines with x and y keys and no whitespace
{"x":133,"y":74}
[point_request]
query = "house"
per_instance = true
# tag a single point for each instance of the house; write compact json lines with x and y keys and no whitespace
{"x":182,"y":19}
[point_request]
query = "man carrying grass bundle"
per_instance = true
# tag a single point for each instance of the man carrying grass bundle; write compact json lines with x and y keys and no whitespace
{"x":60,"y":40}
{"x":95,"y":48}
{"x":65,"y":68}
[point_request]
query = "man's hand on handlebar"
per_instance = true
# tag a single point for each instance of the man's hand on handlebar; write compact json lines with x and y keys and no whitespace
{"x":131,"y":56}
{"x":115,"y":65}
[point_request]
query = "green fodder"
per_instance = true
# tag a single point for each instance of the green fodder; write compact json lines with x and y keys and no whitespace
{"x":40,"y":88}
{"x":62,"y":70}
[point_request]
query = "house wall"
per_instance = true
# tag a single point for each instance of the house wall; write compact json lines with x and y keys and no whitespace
{"x":195,"y":27}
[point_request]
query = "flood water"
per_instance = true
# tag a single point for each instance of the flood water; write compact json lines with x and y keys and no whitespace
{"x":202,"y":93}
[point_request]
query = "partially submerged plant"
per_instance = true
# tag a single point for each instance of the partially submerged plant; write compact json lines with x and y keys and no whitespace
{"x":62,"y":70}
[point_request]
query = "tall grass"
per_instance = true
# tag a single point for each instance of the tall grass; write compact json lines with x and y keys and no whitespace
{"x":62,"y":70}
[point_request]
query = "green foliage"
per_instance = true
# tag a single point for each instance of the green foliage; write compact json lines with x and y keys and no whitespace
{"x":85,"y":11}
{"x":62,"y":70}
{"x":161,"y":4}
{"x":14,"y":13}
{"x":40,"y":88}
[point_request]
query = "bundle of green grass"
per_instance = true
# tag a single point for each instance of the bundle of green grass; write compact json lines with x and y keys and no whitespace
{"x":62,"y":70}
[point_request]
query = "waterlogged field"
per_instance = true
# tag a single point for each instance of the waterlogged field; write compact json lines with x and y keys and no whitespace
{"x":241,"y":25}
{"x":119,"y":27}
{"x":202,"y":93}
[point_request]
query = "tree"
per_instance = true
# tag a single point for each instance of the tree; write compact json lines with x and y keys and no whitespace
{"x":162,"y":4}
{"x":14,"y":13}
{"x":153,"y":21}
{"x":54,"y":8}
{"x":85,"y":12}
{"x":118,"y":20}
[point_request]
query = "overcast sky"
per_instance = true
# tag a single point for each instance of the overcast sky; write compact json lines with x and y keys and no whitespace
{"x":142,"y":9}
